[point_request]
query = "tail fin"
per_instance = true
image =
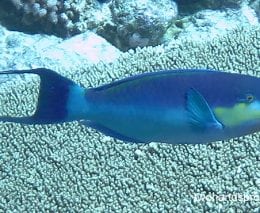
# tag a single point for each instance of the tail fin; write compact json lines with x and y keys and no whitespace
{"x":52,"y":100}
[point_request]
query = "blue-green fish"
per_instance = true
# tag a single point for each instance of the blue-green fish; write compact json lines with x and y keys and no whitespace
{"x":173,"y":106}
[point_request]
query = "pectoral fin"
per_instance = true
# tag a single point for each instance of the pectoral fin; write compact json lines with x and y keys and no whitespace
{"x":200,"y":113}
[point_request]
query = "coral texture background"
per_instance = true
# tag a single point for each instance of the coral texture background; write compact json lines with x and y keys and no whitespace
{"x":69,"y":167}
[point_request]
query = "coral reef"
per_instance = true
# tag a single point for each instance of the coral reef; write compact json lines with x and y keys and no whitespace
{"x":255,"y":4}
{"x":205,"y":25}
{"x":48,"y":16}
{"x":195,"y":5}
{"x":125,"y":24}
{"x":103,"y":1}
{"x":68,"y":167}
{"x":141,"y":23}
{"x":53,"y":51}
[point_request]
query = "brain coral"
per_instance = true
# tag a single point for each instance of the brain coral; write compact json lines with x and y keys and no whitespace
{"x":67,"y":167}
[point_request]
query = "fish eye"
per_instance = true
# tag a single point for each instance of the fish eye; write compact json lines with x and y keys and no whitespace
{"x":250,"y":98}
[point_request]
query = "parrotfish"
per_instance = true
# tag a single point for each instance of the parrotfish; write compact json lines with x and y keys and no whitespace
{"x":171,"y":106}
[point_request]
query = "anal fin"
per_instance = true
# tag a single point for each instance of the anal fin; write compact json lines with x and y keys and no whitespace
{"x":109,"y":132}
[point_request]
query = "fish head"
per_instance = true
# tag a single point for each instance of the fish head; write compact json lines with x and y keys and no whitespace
{"x":243,"y":109}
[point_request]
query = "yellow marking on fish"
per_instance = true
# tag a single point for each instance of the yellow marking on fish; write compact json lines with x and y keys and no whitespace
{"x":239,"y":113}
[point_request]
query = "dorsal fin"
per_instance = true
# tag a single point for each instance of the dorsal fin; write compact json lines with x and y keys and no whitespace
{"x":153,"y":74}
